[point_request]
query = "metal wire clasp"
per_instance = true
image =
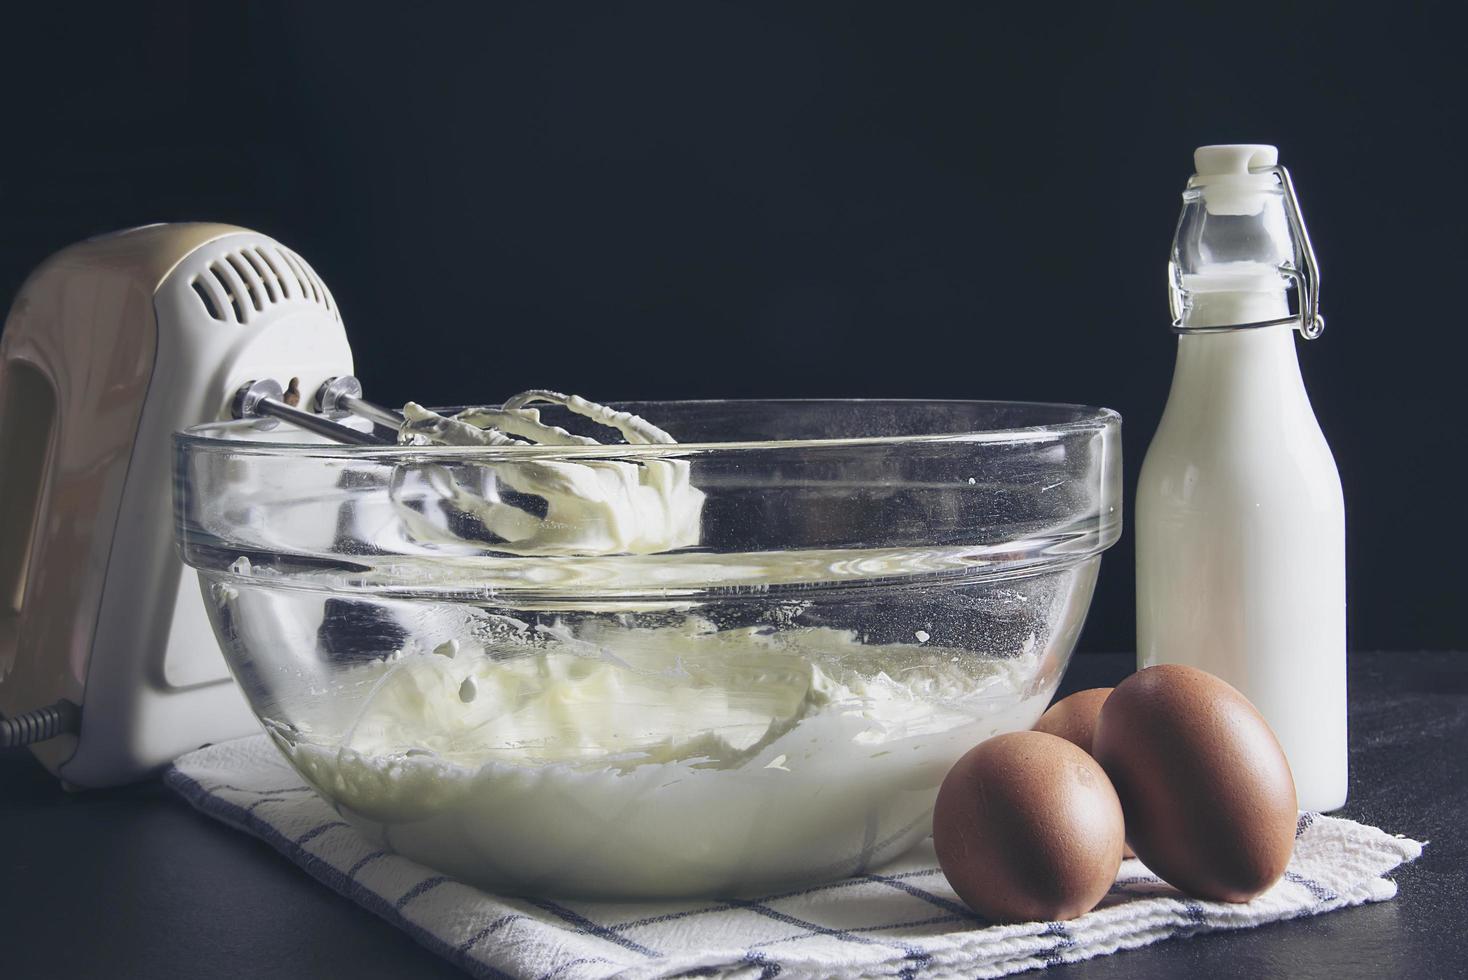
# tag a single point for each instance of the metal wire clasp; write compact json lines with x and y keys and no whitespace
{"x":1311,"y":322}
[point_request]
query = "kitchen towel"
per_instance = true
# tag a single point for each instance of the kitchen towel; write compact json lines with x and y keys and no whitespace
{"x":900,"y":921}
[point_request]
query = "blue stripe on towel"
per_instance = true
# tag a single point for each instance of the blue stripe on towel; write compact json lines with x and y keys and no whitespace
{"x":1318,"y":891}
{"x":318,"y":830}
{"x":488,"y":931}
{"x":909,"y":950}
{"x":589,"y":928}
{"x":947,"y":904}
{"x":769,"y":969}
{"x":570,"y":963}
{"x":259,"y":792}
{"x":426,"y":885}
{"x":1055,"y":955}
{"x":374,"y":856}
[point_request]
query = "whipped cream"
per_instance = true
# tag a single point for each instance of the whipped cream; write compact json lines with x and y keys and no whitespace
{"x":658,"y":762}
{"x":590,"y":507}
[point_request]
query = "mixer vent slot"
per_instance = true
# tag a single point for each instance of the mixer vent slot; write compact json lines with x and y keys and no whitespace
{"x":238,"y":285}
{"x":207,"y":298}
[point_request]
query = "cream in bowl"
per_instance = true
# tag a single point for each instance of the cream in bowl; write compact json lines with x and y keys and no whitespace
{"x":856,"y":594}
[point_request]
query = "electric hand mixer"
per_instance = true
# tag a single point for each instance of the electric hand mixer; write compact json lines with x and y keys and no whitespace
{"x":108,"y":665}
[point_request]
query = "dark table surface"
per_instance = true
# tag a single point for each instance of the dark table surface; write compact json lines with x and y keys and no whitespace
{"x":134,"y":883}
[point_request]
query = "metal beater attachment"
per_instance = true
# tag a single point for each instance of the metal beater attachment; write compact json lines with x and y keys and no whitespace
{"x":265,"y":399}
{"x":344,"y":394}
{"x":531,"y":506}
{"x":513,"y":423}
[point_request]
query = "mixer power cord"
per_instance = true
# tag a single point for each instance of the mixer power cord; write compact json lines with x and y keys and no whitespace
{"x":60,"y":718}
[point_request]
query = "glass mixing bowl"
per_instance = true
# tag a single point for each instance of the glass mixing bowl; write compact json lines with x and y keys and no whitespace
{"x":738,"y":663}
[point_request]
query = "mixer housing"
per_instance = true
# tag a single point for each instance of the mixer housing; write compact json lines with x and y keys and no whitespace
{"x":110,"y":346}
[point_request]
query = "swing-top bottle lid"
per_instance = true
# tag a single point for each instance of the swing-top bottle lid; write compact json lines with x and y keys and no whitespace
{"x":1235,"y":177}
{"x":1241,"y":232}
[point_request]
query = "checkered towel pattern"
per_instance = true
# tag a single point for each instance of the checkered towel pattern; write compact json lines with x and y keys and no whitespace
{"x":902,"y":922}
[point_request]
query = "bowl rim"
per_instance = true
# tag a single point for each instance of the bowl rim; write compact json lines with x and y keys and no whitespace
{"x":1088,"y":418}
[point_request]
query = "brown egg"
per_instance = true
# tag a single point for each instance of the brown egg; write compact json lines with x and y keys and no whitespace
{"x":1027,"y":827}
{"x":1207,"y":792}
{"x":1073,"y":718}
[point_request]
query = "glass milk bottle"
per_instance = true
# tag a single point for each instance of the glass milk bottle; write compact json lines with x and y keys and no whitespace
{"x":1240,"y":523}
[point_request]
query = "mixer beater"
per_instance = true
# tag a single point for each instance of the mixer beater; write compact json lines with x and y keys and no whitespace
{"x":532,"y":506}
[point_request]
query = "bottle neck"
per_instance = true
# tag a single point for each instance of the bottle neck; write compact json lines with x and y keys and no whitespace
{"x":1216,"y":309}
{"x":1246,"y":372}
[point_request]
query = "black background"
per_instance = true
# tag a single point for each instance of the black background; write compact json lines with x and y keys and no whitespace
{"x":848,"y":199}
